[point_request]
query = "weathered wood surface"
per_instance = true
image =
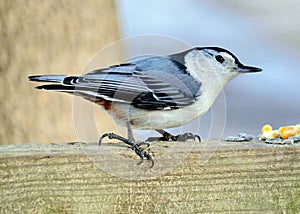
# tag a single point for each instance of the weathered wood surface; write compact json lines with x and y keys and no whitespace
{"x":229,"y":177}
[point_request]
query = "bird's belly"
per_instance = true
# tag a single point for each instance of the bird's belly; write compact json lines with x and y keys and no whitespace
{"x":158,"y":119}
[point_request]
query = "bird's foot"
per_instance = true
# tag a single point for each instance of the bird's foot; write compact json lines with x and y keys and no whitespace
{"x":181,"y":137}
{"x":136,"y":147}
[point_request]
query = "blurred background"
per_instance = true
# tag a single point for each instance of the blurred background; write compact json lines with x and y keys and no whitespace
{"x":41,"y":37}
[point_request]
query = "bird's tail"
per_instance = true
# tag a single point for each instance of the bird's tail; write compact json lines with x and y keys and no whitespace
{"x":63,"y":82}
{"x":47,"y":78}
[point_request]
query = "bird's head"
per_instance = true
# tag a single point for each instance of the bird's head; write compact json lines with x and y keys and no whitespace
{"x":219,"y":61}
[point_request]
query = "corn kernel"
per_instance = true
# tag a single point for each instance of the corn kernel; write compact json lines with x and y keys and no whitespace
{"x":266,"y":128}
{"x":298,"y":129}
{"x":288,"y":131}
{"x":269,"y":134}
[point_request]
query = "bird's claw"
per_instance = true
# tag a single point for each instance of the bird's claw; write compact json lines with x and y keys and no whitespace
{"x":134,"y":146}
{"x":113,"y":136}
{"x":181,"y":137}
{"x":188,"y":136}
{"x":142,"y":154}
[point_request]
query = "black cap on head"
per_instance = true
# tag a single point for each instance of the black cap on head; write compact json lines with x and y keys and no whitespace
{"x":218,"y":49}
{"x":241,"y":68}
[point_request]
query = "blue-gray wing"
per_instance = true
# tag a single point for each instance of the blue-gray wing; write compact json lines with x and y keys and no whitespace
{"x":152,"y":83}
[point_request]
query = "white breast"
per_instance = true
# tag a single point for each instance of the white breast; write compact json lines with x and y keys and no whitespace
{"x":160,"y":119}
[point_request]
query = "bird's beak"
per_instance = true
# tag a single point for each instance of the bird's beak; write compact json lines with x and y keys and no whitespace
{"x":248,"y":69}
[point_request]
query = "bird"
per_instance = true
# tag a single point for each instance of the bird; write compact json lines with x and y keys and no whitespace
{"x":154,"y":92}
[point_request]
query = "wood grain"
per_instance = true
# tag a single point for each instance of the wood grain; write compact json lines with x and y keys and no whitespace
{"x":213,"y":176}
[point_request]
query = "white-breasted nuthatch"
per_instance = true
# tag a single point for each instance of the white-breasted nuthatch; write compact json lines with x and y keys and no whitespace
{"x":155,"y":92}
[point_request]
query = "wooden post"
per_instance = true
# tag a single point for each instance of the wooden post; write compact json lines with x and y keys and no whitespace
{"x":42,"y":37}
{"x":209,"y":177}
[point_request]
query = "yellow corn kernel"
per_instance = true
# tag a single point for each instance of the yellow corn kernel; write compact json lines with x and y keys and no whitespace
{"x":269,"y":134}
{"x":266,"y":128}
{"x":298,"y":129}
{"x":288,"y":131}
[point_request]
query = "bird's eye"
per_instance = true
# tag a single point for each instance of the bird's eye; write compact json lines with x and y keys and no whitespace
{"x":219,"y":58}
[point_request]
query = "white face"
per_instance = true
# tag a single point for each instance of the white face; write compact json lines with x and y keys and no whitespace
{"x":207,"y":64}
{"x":220,"y":61}
{"x":213,"y":62}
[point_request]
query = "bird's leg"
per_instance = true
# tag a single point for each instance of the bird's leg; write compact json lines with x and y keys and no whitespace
{"x":166,"y":136}
{"x":130,"y":133}
{"x":131,"y":142}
